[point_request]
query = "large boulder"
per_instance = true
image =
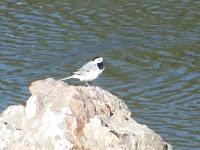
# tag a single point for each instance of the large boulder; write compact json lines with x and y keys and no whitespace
{"x":59,"y":116}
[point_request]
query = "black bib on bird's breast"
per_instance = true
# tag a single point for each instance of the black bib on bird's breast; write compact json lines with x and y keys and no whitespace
{"x":100,"y":65}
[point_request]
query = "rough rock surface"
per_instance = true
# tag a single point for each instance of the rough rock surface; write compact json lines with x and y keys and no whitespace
{"x":59,"y":116}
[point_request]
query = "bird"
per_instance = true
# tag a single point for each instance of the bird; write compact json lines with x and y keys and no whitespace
{"x":88,"y":72}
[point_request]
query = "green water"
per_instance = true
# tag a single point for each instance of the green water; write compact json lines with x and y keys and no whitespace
{"x":151,"y":51}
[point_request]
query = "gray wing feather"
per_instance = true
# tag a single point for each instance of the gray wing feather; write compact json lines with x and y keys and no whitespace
{"x":86,"y":68}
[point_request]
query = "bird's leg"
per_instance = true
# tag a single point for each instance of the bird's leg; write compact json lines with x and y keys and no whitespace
{"x":93,"y":87}
{"x":87,"y":84}
{"x":90,"y":82}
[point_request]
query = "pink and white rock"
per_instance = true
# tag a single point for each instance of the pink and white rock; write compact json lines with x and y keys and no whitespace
{"x":59,"y":116}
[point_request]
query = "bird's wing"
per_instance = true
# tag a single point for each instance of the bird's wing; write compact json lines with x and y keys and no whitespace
{"x":88,"y":65}
{"x":81,"y":72}
{"x":86,"y":68}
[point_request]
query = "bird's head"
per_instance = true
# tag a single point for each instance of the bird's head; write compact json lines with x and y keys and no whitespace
{"x":97,"y":60}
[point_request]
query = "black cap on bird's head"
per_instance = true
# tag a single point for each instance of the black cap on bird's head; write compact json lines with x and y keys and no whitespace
{"x":99,"y":62}
{"x":97,"y":59}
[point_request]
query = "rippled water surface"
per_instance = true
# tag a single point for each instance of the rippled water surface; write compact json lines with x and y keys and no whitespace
{"x":151,"y":51}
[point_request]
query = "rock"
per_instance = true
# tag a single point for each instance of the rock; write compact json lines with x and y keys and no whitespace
{"x":61,"y":116}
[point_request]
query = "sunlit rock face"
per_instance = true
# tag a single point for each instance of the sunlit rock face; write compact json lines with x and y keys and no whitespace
{"x":59,"y":116}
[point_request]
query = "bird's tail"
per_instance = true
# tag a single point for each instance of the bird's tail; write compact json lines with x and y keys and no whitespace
{"x":67,"y":78}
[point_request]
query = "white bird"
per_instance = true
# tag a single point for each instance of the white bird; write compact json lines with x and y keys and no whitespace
{"x":88,"y":72}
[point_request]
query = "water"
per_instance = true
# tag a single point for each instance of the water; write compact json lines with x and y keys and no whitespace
{"x":151,"y":49}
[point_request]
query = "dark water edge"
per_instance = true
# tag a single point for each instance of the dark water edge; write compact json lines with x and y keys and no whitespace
{"x":151,"y":51}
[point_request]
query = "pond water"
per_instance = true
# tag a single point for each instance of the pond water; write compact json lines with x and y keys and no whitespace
{"x":151,"y":51}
